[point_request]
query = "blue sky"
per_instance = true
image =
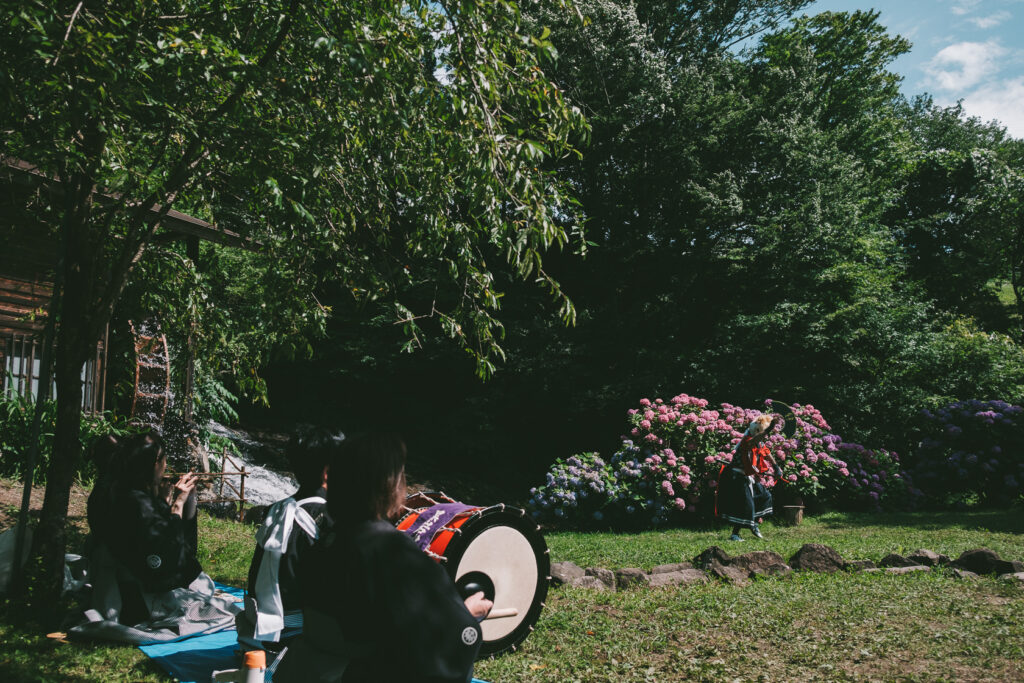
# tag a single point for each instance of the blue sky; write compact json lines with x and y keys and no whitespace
{"x":970,"y":50}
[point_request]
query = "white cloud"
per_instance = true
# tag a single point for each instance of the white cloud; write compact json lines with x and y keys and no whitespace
{"x":964,"y":65}
{"x":990,"y":21}
{"x":1000,"y":100}
{"x":965,"y":6}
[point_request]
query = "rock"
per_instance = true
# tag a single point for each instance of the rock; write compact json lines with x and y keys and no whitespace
{"x":629,"y":578}
{"x":731,"y":574}
{"x":872,"y":570}
{"x":979,"y":561}
{"x":565,"y":572}
{"x":815,"y":557}
{"x":1017,"y":577}
{"x":679,"y":578}
{"x":591,"y":582}
{"x":894,"y":560}
{"x":929,"y":558}
{"x":671,"y":568}
{"x":907,"y":569}
{"x":1009,"y":567}
{"x":606,"y":576}
{"x":761,"y":562}
{"x":712,"y":556}
{"x":859,"y":565}
{"x":964,"y":574}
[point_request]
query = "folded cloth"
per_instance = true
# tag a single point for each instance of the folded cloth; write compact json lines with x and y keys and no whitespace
{"x":204,"y":607}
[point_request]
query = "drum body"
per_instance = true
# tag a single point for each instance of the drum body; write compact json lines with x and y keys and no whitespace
{"x":498,"y":550}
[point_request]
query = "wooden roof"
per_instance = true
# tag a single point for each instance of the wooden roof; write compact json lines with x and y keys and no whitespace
{"x":174,"y":221}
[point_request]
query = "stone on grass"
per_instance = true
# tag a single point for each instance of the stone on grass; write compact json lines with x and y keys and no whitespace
{"x":1009,"y":567}
{"x":979,"y":561}
{"x":591,"y":582}
{"x":929,"y":558}
{"x":670,"y":568}
{"x":761,"y":562}
{"x":985,"y":561}
{"x":606,"y":576}
{"x":731,"y":574}
{"x":711,"y":557}
{"x":565,"y":572}
{"x":630,"y":577}
{"x":907,"y":570}
{"x":1016,"y":577}
{"x":679,"y":578}
{"x":964,"y":574}
{"x":816,"y":557}
{"x":896,"y":560}
{"x":859,"y":565}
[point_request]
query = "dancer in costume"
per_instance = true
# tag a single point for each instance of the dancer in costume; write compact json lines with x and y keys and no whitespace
{"x":273,"y":607}
{"x":375,"y":607}
{"x":740,"y":498}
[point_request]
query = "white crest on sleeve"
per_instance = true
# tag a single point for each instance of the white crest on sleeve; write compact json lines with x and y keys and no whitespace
{"x":153,"y":561}
{"x":469,"y":635}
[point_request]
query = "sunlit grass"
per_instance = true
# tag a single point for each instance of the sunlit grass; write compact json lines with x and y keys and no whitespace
{"x":927,"y":626}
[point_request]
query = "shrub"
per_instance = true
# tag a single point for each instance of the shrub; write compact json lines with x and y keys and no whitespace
{"x":973,"y":451}
{"x":16,"y":416}
{"x":873,"y":479}
{"x":671,"y":457}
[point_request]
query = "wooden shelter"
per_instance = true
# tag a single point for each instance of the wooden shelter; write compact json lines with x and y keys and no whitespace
{"x":28,"y":260}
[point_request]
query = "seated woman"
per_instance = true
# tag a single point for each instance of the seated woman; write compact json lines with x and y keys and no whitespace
{"x":740,"y":498}
{"x":273,"y":608}
{"x":147,"y":583}
{"x":376,"y":608}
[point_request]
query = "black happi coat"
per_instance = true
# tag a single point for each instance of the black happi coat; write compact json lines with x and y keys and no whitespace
{"x":158,"y":548}
{"x":397,"y":604}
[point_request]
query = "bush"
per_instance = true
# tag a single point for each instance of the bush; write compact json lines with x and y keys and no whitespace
{"x":16,"y":415}
{"x":973,"y":451}
{"x":671,"y":457}
{"x":873,"y":479}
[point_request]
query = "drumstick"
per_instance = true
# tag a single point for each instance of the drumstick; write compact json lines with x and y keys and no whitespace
{"x":502,"y":613}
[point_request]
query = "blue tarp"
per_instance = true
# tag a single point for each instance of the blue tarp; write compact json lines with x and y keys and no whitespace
{"x":194,"y":660}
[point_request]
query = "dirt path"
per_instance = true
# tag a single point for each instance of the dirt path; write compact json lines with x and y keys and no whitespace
{"x":10,"y":503}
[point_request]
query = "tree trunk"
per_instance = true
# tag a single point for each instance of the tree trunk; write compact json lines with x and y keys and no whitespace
{"x":72,"y":346}
{"x":50,"y":540}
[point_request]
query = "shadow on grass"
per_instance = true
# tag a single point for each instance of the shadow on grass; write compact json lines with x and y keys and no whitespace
{"x":1010,"y":520}
{"x":28,"y":655}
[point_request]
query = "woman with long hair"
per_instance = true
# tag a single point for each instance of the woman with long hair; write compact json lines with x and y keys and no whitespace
{"x":375,"y":607}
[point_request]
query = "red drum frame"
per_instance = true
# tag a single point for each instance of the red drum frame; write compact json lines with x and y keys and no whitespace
{"x":499,"y":550}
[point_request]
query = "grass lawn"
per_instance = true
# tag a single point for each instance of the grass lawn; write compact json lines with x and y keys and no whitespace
{"x":927,"y":627}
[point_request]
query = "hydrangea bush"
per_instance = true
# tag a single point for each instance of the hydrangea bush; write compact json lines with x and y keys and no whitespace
{"x":972,"y":451}
{"x":873,"y":479}
{"x":670,"y":459}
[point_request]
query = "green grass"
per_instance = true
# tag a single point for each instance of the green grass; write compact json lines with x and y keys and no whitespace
{"x":855,"y":536}
{"x":920,"y":627}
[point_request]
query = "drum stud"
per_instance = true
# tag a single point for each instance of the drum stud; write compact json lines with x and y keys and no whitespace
{"x":531,"y":629}
{"x":548,"y":578}
{"x":543,"y":605}
{"x":547,"y":551}
{"x":538,"y":528}
{"x":522,"y":512}
{"x":502,"y":507}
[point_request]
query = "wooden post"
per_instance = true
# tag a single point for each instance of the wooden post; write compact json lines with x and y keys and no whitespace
{"x":223,"y":465}
{"x":241,"y":496}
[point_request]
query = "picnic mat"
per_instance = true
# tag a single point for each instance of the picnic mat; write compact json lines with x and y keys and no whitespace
{"x":194,"y":660}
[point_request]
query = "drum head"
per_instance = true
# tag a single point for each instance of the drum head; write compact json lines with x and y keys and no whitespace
{"x":503,"y":546}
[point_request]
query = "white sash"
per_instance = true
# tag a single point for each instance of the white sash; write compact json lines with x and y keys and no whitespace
{"x":273,"y":538}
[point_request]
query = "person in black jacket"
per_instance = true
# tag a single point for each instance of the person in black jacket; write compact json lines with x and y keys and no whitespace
{"x":147,"y":527}
{"x":376,"y":608}
{"x":273,"y":608}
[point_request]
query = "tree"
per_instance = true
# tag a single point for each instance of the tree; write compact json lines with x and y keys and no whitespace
{"x":373,"y":137}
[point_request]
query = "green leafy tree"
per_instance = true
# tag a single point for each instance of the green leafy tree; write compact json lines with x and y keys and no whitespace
{"x":353,"y":141}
